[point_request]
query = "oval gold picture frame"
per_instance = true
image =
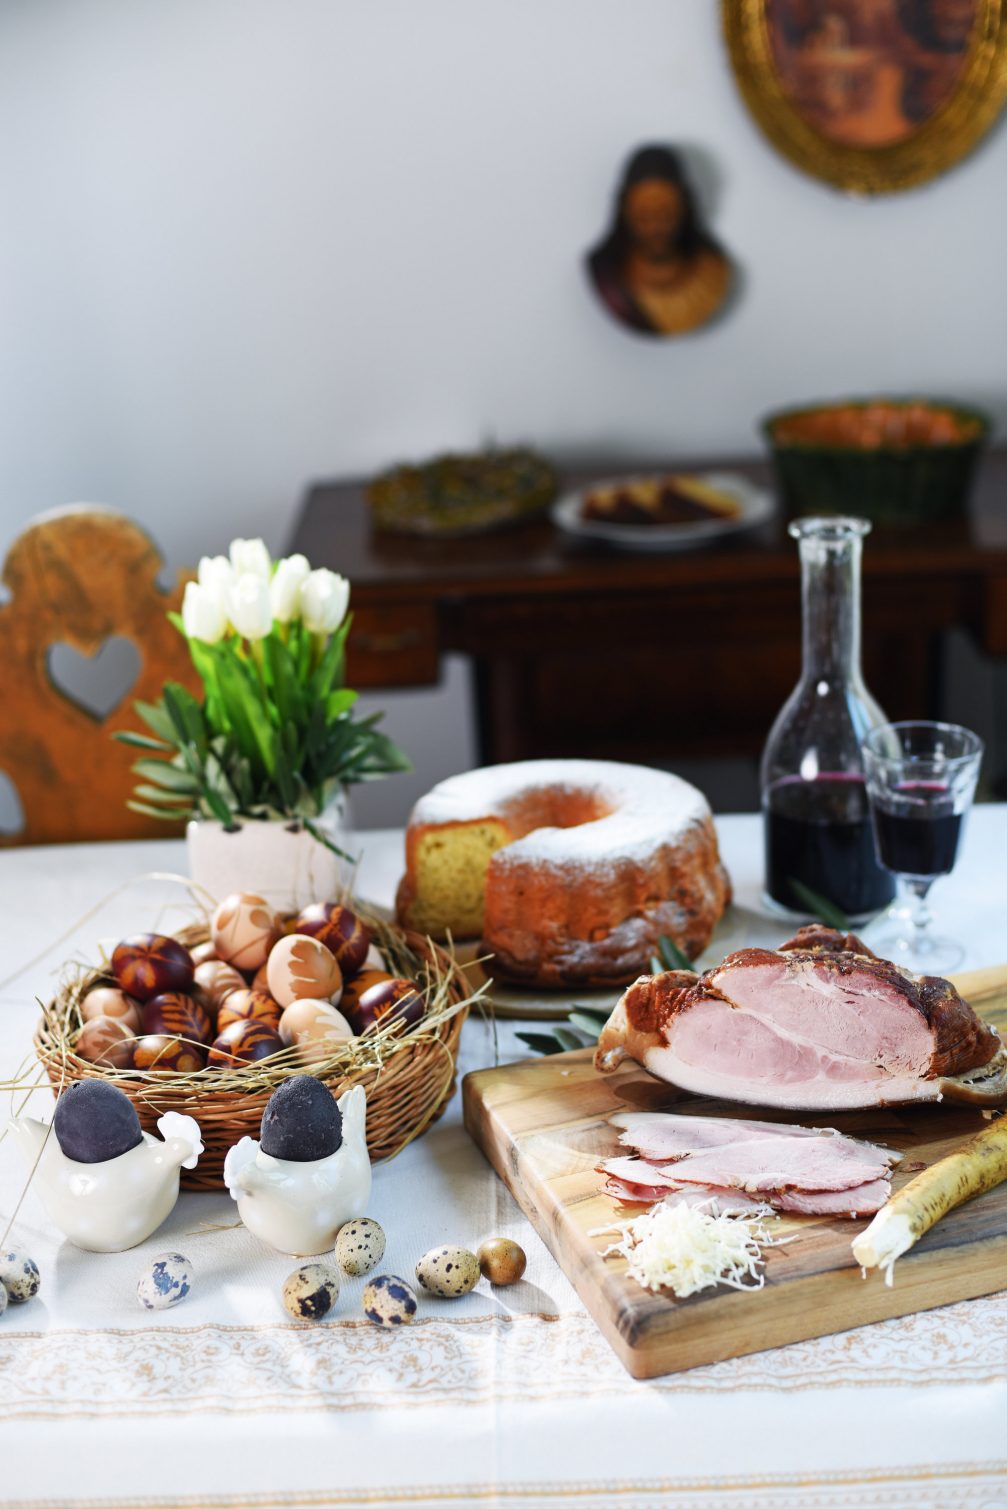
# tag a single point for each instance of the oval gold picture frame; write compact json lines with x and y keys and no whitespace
{"x":940,"y":141}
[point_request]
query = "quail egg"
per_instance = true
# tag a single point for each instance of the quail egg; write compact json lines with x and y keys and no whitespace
{"x":3,"y":1299}
{"x":311,"y":1291}
{"x":359,"y":1245}
{"x":165,"y":1282}
{"x":502,"y":1261}
{"x":19,"y":1277}
{"x":448,"y":1271}
{"x":389,"y":1301}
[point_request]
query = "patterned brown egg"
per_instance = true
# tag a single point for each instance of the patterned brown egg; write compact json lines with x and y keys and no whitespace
{"x":244,"y":929}
{"x":388,"y":1001}
{"x":217,"y":980}
{"x":244,"y":1043}
{"x":300,"y":967}
{"x":350,"y":998}
{"x":106,"y":1040}
{"x":106,"y":1000}
{"x":341,"y":930}
{"x":159,"y":1054}
{"x":176,"y":1015}
{"x":260,"y":980}
{"x":316,"y":1029}
{"x":249,"y":1006}
{"x":149,"y":963}
{"x":203,"y":953}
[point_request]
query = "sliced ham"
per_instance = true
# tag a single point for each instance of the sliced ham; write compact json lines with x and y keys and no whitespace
{"x":819,"y":1024}
{"x":792,"y":1168}
{"x":662,"y":1136}
{"x":717,"y":1202}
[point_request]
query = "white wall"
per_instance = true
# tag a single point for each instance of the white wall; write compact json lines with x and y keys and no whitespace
{"x":247,"y":243}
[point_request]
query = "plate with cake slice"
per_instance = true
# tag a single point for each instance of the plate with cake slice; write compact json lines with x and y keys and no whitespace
{"x":664,"y":510}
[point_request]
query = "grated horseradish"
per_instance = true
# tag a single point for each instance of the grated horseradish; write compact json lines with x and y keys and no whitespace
{"x":685,"y":1248}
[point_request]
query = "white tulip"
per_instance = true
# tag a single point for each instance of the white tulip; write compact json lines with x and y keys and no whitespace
{"x":216,"y":577}
{"x":250,"y":611}
{"x":250,"y":558}
{"x":285,"y":587}
{"x":203,"y":615}
{"x":325,"y":596}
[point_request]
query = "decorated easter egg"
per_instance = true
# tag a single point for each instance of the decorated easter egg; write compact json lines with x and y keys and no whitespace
{"x":95,"y":1121}
{"x":300,"y":967}
{"x":448,"y":1272}
{"x":360,"y":1244}
{"x":177,"y":1015}
{"x":249,"y":1006}
{"x":388,"y":1001}
{"x":316,"y":1029}
{"x":388,"y":1301}
{"x":311,"y":1291}
{"x":244,"y":1042}
{"x":19,"y":1277}
{"x":301,"y":1122}
{"x":341,"y":930}
{"x":158,"y":1053}
{"x":501,"y":1261}
{"x":165,"y":1281}
{"x":204,"y":953}
{"x":217,"y":981}
{"x":244,"y":929}
{"x":149,"y":963}
{"x":358,"y":986}
{"x":106,"y":1040}
{"x":107,"y":1000}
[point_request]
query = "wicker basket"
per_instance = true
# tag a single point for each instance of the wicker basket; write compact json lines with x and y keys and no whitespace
{"x":409,"y":1076}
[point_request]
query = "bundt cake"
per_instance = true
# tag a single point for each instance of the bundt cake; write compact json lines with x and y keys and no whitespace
{"x":568,"y":870}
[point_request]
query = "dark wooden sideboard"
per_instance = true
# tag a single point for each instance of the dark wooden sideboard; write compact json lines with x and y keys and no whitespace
{"x":579,"y":650}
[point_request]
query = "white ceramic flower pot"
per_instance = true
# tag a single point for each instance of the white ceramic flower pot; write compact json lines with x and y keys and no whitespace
{"x":278,"y":860}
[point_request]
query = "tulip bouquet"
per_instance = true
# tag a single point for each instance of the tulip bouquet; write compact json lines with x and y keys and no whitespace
{"x":275,"y":736}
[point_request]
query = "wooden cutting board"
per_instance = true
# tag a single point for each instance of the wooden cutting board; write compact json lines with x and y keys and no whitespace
{"x":544,"y":1125}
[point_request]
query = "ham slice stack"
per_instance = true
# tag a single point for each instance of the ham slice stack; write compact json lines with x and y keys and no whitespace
{"x":733,"y":1166}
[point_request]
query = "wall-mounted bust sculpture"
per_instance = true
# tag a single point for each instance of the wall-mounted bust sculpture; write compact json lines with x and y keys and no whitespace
{"x":658,"y":270}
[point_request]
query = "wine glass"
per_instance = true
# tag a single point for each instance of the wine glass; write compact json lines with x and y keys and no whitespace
{"x":921,"y":778}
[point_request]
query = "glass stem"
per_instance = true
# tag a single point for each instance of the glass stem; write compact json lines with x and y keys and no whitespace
{"x":920,"y":913}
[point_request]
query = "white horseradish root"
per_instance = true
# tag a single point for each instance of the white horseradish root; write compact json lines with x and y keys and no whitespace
{"x":977,"y":1166}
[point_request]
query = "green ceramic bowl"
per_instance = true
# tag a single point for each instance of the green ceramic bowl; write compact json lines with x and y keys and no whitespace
{"x":893,"y":460}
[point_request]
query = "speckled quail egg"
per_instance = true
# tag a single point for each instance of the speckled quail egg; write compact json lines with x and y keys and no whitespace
{"x":311,"y":1291}
{"x":3,"y":1299}
{"x":448,"y":1271}
{"x":502,"y":1261}
{"x":359,"y":1245}
{"x":19,"y":1277}
{"x":389,"y":1301}
{"x":165,"y":1281}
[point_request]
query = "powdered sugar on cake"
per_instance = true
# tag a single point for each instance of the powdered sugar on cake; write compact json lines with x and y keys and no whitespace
{"x":645,"y":809}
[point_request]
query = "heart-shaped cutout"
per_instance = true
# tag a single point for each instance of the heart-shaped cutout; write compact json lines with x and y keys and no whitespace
{"x":11,"y":810}
{"x":96,"y":684}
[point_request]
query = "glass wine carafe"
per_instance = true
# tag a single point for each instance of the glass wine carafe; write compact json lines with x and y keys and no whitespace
{"x":818,"y":837}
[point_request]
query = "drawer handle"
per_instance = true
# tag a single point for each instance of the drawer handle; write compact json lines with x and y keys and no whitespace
{"x":385,"y":644}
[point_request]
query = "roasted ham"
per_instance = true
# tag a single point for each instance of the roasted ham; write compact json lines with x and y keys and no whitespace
{"x":819,"y":1024}
{"x":738,"y":1164}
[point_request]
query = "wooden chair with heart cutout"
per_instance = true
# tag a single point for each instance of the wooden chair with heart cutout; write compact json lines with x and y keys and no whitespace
{"x":83,"y":588}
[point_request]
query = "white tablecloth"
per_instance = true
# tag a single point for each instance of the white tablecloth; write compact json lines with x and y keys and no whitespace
{"x":505,"y":1397}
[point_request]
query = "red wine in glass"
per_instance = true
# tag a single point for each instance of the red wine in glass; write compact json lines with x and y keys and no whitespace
{"x":918,"y":833}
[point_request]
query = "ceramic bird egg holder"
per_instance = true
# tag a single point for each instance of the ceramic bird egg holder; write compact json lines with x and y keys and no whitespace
{"x":116,"y":1204}
{"x":298,"y":1207}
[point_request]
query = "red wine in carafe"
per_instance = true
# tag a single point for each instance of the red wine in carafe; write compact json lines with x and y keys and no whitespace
{"x":819,"y":833}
